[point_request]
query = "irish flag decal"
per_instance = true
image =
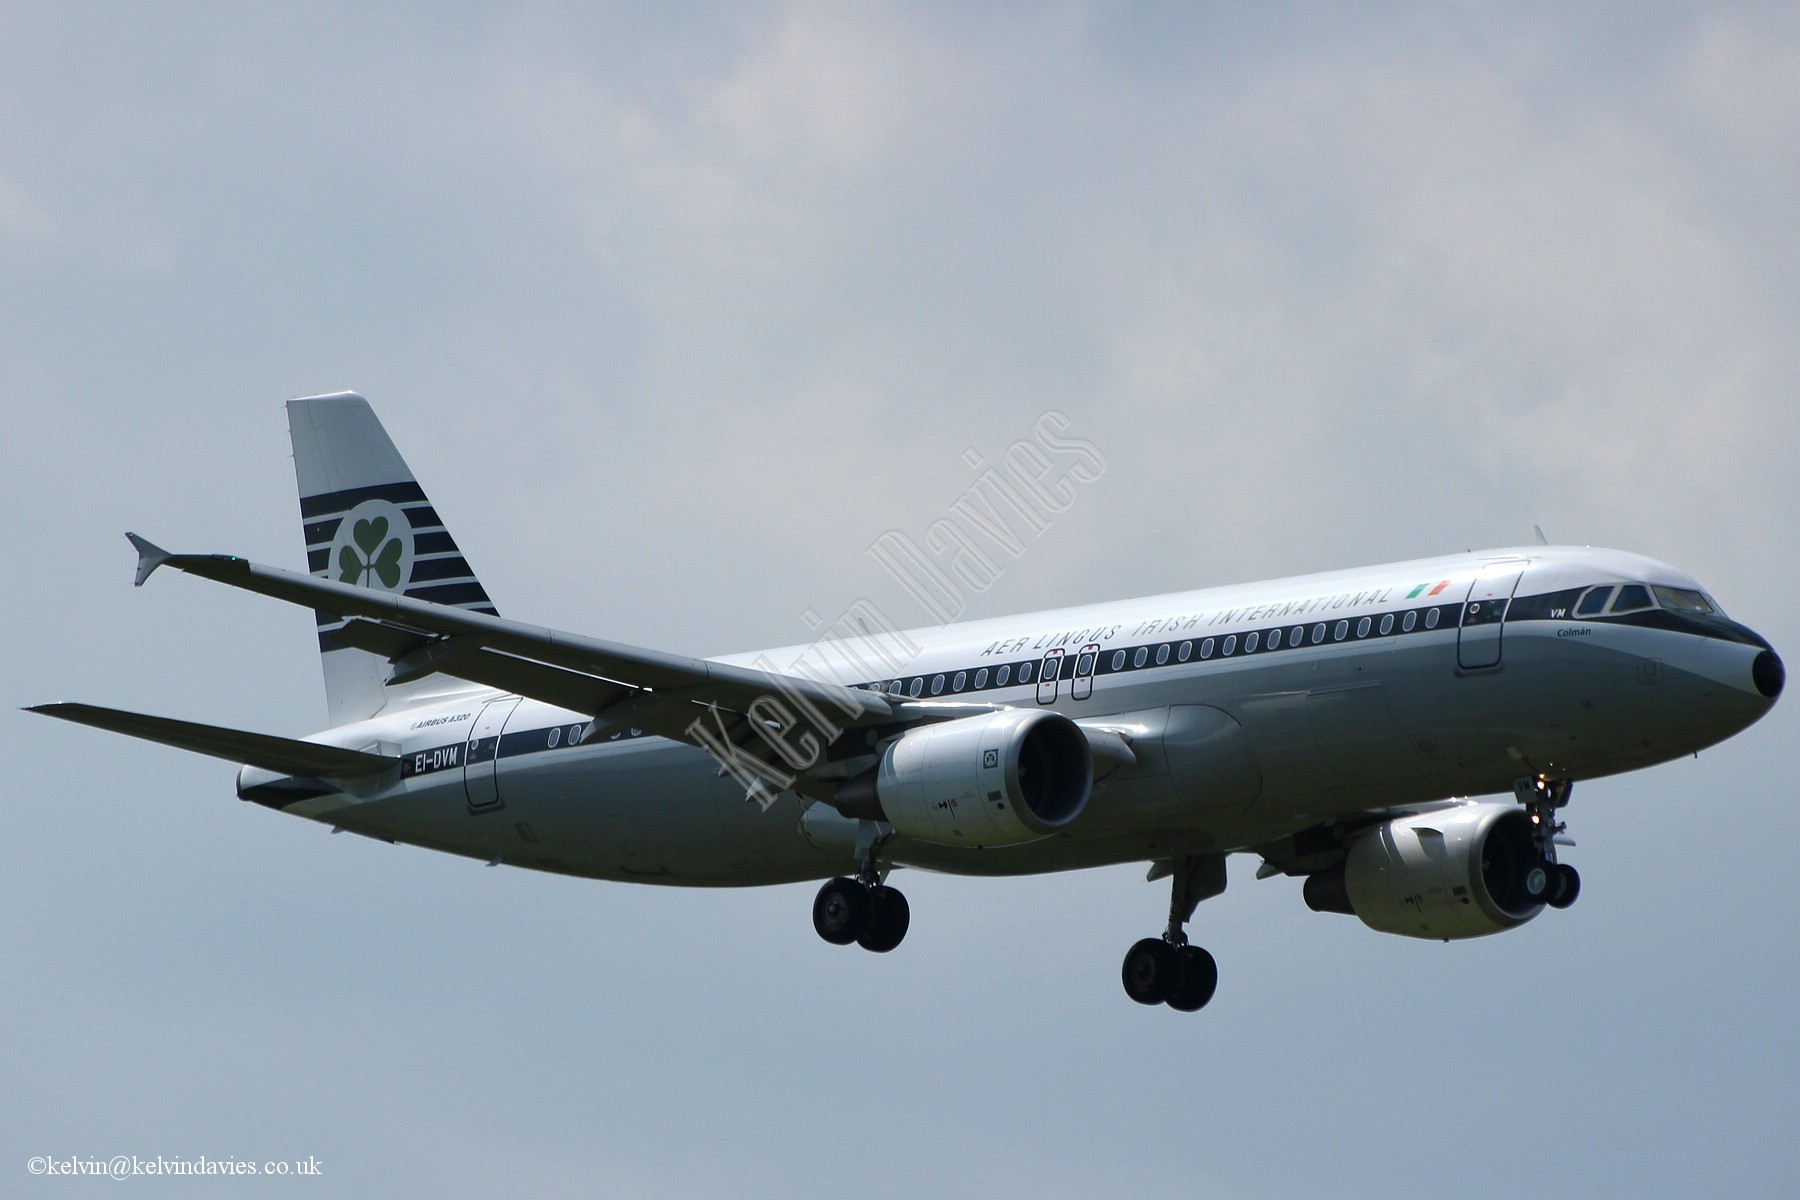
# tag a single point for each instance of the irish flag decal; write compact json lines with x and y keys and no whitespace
{"x":1434,"y":590}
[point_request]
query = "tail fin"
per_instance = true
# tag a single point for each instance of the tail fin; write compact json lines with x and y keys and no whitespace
{"x":368,"y":522}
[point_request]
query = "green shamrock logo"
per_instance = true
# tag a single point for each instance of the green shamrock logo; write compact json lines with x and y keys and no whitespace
{"x":357,"y":568}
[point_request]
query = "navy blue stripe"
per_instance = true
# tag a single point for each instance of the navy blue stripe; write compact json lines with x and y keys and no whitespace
{"x":424,"y":570}
{"x":435,"y":542}
{"x":1560,"y":606}
{"x":449,"y":593}
{"x":1698,"y":624}
{"x":456,"y":567}
{"x":1024,"y":672}
{"x":424,"y":523}
{"x":313,"y":507}
{"x":1201,"y":648}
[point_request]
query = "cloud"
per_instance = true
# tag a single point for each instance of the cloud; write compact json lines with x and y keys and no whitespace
{"x":675,"y":311}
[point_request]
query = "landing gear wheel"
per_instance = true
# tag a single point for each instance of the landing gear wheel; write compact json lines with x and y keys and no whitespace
{"x":841,"y":911}
{"x":1151,"y":972}
{"x":1565,"y":885}
{"x":1198,"y":980}
{"x":889,"y":916}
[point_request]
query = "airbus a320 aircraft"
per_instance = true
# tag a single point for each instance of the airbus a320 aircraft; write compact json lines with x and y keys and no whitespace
{"x":1325,"y":723}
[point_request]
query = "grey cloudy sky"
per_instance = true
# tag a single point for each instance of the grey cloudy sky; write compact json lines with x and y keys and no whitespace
{"x":675,"y":309}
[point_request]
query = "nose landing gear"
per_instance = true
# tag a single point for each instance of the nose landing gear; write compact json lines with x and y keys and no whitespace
{"x":1167,"y":970}
{"x":1558,"y":883}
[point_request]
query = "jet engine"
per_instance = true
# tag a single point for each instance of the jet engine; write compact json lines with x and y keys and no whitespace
{"x":1453,"y":873}
{"x":999,"y":779}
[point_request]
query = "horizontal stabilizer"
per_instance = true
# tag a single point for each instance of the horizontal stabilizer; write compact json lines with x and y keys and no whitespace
{"x":290,"y":756}
{"x":150,"y":556}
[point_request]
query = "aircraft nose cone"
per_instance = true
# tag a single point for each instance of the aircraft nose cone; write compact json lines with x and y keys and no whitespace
{"x":1768,"y":674}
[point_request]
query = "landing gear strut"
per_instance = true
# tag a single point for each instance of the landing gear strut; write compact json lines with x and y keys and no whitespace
{"x":1167,"y":970}
{"x":862,"y":910}
{"x":1559,"y":883}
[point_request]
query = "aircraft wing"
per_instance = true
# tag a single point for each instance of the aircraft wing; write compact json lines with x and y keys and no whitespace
{"x":287,"y":755}
{"x":615,"y":683}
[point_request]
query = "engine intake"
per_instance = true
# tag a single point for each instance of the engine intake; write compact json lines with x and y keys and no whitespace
{"x":1455,"y":873}
{"x":1000,"y":779}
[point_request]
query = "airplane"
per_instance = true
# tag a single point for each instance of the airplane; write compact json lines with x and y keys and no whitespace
{"x":1334,"y":725}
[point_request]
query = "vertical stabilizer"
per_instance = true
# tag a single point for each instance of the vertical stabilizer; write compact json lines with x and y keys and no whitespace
{"x":368,"y":522}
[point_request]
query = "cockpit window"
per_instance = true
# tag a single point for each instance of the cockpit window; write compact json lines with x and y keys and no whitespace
{"x":1632,"y":597}
{"x":1682,"y":600}
{"x":1593,"y":601}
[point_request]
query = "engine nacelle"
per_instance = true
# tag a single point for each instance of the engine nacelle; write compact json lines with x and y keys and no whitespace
{"x":999,"y":779}
{"x":1455,"y":873}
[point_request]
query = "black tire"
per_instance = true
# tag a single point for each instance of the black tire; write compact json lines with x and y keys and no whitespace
{"x":1151,"y":971}
{"x":1198,"y":980}
{"x":888,"y":919}
{"x":1564,"y":887}
{"x":841,"y":911}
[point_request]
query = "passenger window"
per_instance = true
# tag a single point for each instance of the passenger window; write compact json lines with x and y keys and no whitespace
{"x":1408,"y":621}
{"x":962,"y":677}
{"x":1362,"y":628}
{"x":1338,"y":632}
{"x":1118,"y":660}
{"x":918,"y":685}
{"x":1274,"y":639}
{"x":981,"y":678}
{"x":1206,"y":648}
{"x":1230,"y":646}
{"x":1593,"y":601}
{"x":1318,"y":633}
{"x":1186,"y":652}
{"x":1002,"y":676}
{"x":937,"y":684}
{"x":1085,"y":665}
{"x":1387,"y":624}
{"x":1024,"y":672}
{"x":1162,"y":654}
{"x":1250,"y":643}
{"x":1633,"y":597}
{"x":1296,"y":635}
{"x":1141,"y":657}
{"x":1431,"y":618}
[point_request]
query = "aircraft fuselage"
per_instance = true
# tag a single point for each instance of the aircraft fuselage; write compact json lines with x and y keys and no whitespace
{"x":1254,"y":712}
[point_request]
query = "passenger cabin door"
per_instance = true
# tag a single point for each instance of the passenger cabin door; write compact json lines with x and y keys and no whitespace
{"x":1049,"y":675}
{"x":1484,"y":615}
{"x":481,"y":761}
{"x":1083,"y":685}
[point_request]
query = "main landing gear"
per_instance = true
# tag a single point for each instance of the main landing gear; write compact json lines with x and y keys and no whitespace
{"x":1167,"y":970}
{"x":862,"y":910}
{"x":1556,"y":884}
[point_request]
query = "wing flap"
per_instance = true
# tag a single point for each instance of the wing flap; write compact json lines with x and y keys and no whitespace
{"x":290,"y":756}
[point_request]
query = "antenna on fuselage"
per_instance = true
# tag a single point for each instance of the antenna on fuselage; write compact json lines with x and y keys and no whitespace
{"x":1539,"y":530}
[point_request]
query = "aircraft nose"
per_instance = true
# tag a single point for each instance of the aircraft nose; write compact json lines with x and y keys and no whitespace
{"x":1768,"y":674}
